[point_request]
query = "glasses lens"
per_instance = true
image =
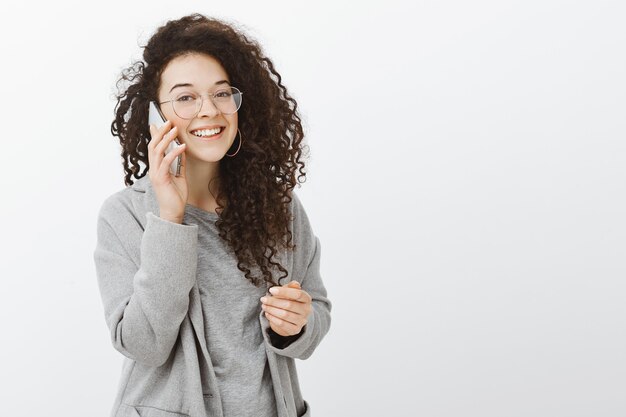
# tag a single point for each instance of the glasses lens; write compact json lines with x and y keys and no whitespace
{"x":227,"y":101}
{"x":186,"y":106}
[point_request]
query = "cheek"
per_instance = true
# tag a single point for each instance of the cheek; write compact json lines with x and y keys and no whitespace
{"x":182,"y":126}
{"x":232,"y":125}
{"x":233,"y":120}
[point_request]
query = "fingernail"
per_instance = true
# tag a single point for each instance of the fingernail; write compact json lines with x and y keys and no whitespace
{"x":263,"y":299}
{"x":274,"y":290}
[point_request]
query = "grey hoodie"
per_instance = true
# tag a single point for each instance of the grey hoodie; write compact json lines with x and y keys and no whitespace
{"x":147,"y":271}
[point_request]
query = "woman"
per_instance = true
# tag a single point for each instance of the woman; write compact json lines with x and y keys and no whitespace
{"x":184,"y":263}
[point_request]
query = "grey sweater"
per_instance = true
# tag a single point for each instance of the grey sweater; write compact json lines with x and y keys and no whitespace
{"x":189,"y":323}
{"x":231,"y":307}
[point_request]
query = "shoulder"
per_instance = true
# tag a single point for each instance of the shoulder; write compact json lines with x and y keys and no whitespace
{"x":126,"y":205}
{"x":299,"y":215}
{"x":296,"y":203}
{"x":303,"y":233}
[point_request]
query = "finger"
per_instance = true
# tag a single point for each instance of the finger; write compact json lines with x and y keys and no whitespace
{"x":167,"y":160}
{"x":291,"y":294}
{"x":161,"y":147}
{"x":155,"y":156}
{"x":167,"y":125}
{"x":284,"y":325}
{"x":290,"y":316}
{"x":157,"y":134}
{"x":170,"y":136}
{"x":292,"y":284}
{"x":293,"y":306}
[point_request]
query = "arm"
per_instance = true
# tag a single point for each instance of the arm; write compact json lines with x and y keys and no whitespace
{"x":307,"y":271}
{"x":144,"y":306}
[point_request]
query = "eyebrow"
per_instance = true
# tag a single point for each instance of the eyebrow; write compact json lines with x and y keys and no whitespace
{"x":191,"y":85}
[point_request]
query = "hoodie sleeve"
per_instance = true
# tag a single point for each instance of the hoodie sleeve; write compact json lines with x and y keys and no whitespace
{"x":307,"y":256}
{"x":145,"y":299}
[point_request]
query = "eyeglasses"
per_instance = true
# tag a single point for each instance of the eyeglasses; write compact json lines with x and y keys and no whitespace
{"x":187,"y":106}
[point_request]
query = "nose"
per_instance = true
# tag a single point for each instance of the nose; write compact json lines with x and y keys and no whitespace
{"x":208,"y":108}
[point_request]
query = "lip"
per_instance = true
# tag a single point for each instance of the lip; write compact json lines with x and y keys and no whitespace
{"x":205,"y":127}
{"x":212,"y":138}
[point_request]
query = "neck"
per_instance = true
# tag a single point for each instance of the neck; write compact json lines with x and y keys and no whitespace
{"x":199,"y":176}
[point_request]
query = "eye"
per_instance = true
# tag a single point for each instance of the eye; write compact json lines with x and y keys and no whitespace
{"x":185,"y":98}
{"x":222,"y":93}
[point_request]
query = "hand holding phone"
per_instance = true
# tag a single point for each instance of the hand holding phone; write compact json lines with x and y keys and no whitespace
{"x":171,"y":189}
{"x":156,"y":118}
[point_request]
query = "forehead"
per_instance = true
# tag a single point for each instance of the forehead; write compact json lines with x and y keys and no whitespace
{"x":198,"y":69}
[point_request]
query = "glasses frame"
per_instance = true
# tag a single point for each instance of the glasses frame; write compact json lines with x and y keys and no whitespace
{"x":211,"y":96}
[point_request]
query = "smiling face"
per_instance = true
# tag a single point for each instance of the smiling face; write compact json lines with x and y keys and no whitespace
{"x":198,"y":75}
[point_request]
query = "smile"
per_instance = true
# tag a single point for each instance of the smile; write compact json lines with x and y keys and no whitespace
{"x":209,"y":134}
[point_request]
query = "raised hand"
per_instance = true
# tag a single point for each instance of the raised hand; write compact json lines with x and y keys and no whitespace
{"x":171,"y":192}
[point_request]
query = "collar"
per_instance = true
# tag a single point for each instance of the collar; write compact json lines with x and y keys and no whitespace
{"x":145,"y":197}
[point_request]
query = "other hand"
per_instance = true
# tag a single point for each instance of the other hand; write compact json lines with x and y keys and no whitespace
{"x":287,"y":309}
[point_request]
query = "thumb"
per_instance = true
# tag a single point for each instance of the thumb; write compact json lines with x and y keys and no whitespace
{"x":293,"y":284}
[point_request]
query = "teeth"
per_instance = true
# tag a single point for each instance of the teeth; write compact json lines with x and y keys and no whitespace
{"x":207,"y":132}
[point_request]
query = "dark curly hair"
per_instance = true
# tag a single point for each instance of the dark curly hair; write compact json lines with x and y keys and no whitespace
{"x":256,"y":186}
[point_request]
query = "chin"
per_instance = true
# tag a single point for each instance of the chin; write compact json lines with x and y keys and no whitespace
{"x":208,"y":155}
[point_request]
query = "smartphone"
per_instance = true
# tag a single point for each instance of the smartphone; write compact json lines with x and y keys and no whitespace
{"x":155,"y":117}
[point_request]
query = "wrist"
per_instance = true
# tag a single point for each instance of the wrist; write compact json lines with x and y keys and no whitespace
{"x":281,"y":341}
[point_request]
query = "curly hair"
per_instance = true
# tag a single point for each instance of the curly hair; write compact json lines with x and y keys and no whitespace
{"x":256,"y":186}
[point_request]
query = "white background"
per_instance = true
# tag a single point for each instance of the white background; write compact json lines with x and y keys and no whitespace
{"x":466,"y":181}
